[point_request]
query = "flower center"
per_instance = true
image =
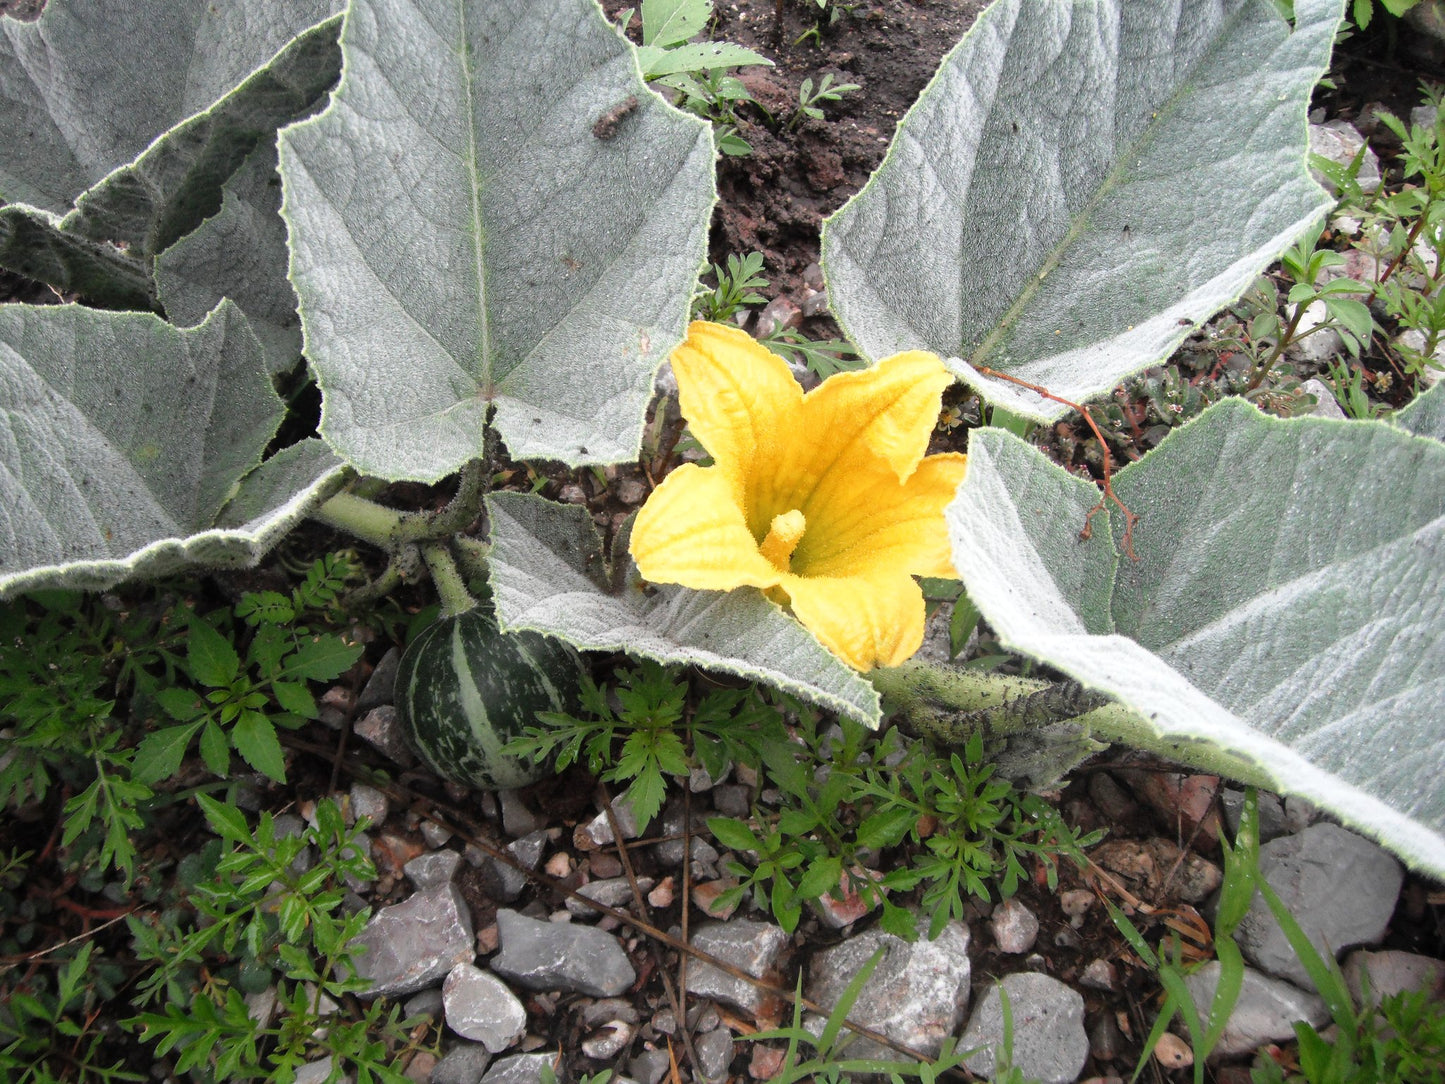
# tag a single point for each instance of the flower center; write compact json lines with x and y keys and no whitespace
{"x":783,"y":537}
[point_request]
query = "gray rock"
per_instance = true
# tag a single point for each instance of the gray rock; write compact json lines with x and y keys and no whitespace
{"x":608,"y":1009}
{"x":1272,"y":823}
{"x":714,"y":1054}
{"x":669,"y":851}
{"x":608,"y":1041}
{"x":380,"y":687}
{"x":612,"y":892}
{"x":650,"y":1066}
{"x":370,"y":803}
{"x":1049,"y":1041}
{"x":317,"y":1072}
{"x":916,"y":995}
{"x":1341,"y":889}
{"x":1316,"y":346}
{"x":1393,"y":972}
{"x":1100,"y":975}
{"x":751,"y":946}
{"x":561,"y":956}
{"x":480,"y":1007}
{"x":379,"y":729}
{"x":1326,"y":405}
{"x":1338,"y":141}
{"x":464,"y":1063}
{"x":1265,"y":1012}
{"x":503,"y":881}
{"x":732,"y":800}
{"x":261,"y":1006}
{"x":631,"y":491}
{"x":1015,"y":927}
{"x":435,"y":835}
{"x":521,"y":1069}
{"x":426,"y":1003}
{"x":598,"y":831}
{"x":517,"y":819}
{"x":413,"y":944}
{"x":432,"y":870}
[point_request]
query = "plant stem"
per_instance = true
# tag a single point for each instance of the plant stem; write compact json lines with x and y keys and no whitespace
{"x":364,"y":519}
{"x":450,"y":585}
{"x":471,"y":556}
{"x":1262,"y":369}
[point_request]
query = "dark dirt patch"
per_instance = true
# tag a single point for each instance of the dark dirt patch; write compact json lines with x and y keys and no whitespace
{"x":774,"y":200}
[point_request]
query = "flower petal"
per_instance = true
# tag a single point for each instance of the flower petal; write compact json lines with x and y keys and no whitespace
{"x":866,"y":621}
{"x":869,"y":524}
{"x":692,"y":531}
{"x":739,"y":399}
{"x":887,"y":412}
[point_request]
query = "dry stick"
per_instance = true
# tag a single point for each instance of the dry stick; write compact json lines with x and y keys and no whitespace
{"x":678,"y":1003}
{"x":1109,"y":495}
{"x":424,"y":806}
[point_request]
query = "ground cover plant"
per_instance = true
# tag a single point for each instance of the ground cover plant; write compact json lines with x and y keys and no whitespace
{"x":480,"y":233}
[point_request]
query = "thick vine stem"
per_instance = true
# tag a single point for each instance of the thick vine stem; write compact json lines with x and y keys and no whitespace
{"x":1035,"y":730}
{"x":390,"y":530}
{"x":471,"y":556}
{"x":361,"y":518}
{"x":449,"y":582}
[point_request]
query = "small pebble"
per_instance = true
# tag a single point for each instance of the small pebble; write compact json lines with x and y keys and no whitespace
{"x":1075,"y":903}
{"x":1172,"y":1052}
{"x":559,"y":865}
{"x":609,"y":1041}
{"x":1100,"y":975}
{"x":435,"y":835}
{"x":663,"y":894}
{"x":1015,"y":927}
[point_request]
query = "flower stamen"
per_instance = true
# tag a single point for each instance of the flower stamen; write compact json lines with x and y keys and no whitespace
{"x":784,"y":535}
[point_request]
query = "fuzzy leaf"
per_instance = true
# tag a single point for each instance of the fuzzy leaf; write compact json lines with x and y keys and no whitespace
{"x":239,"y":253}
{"x":1286,"y":615}
{"x":154,"y":106}
{"x":472,"y":233}
{"x":548,"y":575}
{"x":131,"y":447}
{"x":1425,"y":414}
{"x":1080,"y":184}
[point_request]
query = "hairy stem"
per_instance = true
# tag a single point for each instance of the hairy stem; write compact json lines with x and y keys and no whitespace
{"x":450,"y":585}
{"x":364,"y":519}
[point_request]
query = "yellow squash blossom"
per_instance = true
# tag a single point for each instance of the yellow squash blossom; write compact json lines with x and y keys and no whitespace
{"x":825,"y":500}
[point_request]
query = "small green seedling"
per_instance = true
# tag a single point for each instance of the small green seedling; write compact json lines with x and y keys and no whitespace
{"x":810,"y":99}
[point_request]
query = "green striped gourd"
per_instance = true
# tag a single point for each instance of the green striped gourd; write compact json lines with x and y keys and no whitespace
{"x":465,"y":688}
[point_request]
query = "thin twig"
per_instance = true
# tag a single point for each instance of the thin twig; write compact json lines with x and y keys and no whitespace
{"x":1087,"y":531}
{"x":424,"y":807}
{"x":678,"y":1003}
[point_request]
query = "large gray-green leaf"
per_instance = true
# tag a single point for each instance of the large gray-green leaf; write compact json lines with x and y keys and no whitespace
{"x":1425,"y":414}
{"x":33,"y":244}
{"x":1082,"y":181}
{"x":549,"y":575}
{"x":239,"y":253}
{"x":125,"y":440}
{"x":493,"y":213}
{"x":1287,"y":606}
{"x":93,"y":84}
